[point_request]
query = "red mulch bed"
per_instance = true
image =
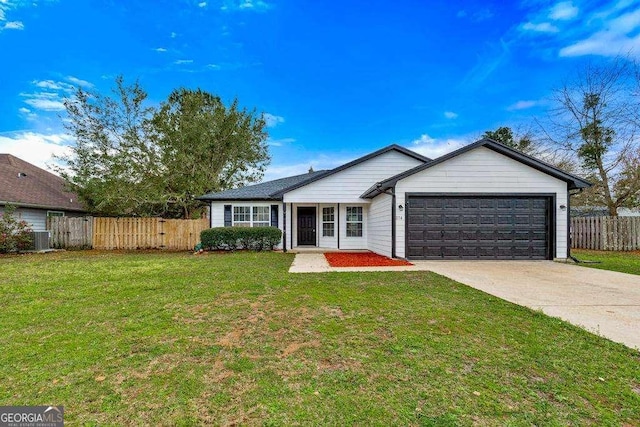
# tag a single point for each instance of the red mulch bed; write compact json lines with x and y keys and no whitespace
{"x":361,"y":259}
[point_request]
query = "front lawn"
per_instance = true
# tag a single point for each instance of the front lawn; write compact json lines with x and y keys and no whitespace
{"x":625,"y":262}
{"x":177,"y":339}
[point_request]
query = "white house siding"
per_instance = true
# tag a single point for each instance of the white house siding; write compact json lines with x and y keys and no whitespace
{"x":348,"y":185}
{"x":353,"y":242}
{"x":217,"y":211}
{"x":379,"y":225}
{"x":484,"y":171}
{"x":328,"y":242}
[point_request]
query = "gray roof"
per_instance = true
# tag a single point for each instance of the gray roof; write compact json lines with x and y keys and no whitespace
{"x":265,"y":190}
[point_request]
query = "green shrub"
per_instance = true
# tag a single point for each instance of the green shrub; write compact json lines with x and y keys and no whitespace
{"x":14,"y":235}
{"x":232,"y":238}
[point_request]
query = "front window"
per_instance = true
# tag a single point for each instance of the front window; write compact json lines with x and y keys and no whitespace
{"x":54,"y":213}
{"x":261,"y":216}
{"x":251,"y":216}
{"x":328,"y":222}
{"x":354,"y":221}
{"x":242,"y":216}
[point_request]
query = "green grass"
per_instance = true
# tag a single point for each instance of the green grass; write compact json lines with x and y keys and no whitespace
{"x":177,"y":339}
{"x":625,"y":262}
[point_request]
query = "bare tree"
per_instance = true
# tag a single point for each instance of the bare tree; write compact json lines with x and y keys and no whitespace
{"x":595,"y":119}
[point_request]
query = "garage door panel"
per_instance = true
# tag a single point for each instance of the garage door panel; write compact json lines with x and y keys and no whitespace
{"x":478,"y":227}
{"x":451,"y":219}
{"x":433,"y":219}
{"x":470,"y":204}
{"x":470,"y":219}
{"x":504,"y":219}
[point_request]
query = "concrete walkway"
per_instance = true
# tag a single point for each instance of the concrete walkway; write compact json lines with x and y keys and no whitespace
{"x":606,"y":303}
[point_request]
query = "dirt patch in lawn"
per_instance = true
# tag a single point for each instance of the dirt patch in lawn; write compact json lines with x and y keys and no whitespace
{"x":362,"y":259}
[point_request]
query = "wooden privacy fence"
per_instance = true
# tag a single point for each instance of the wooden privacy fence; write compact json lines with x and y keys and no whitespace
{"x":606,"y":233}
{"x":70,"y":233}
{"x":128,"y":233}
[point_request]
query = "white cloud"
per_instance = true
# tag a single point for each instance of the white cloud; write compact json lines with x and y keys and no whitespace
{"x":27,"y":113}
{"x":202,"y":4}
{"x":604,"y":44}
{"x":246,"y":5}
{"x":52,"y":85}
{"x":272,"y":120}
{"x":79,"y":82}
{"x":609,"y":31}
{"x":160,"y":49}
{"x":280,"y":142}
{"x":563,"y":11}
{"x":434,"y":148}
{"x":48,"y":95}
{"x":542,"y":27}
{"x":183,"y":61}
{"x":522,"y":105}
{"x":617,"y":36}
{"x":173,"y":35}
{"x":43,"y":103}
{"x":36,"y":148}
{"x":213,"y":66}
{"x":13,"y":25}
{"x":450,"y":115}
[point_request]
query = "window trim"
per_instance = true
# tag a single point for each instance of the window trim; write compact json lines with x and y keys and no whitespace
{"x":360,"y":221}
{"x":331,"y":222}
{"x":252,"y":211}
{"x":56,"y":214}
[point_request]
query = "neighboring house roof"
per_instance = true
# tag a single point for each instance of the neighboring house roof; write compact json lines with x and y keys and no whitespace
{"x":274,"y":190}
{"x":573,"y":180}
{"x":264,"y":190}
{"x":26,"y":185}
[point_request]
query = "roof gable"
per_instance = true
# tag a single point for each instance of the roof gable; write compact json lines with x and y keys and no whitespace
{"x":24,"y":184}
{"x":393,"y":147}
{"x":573,"y":180}
{"x":274,"y":190}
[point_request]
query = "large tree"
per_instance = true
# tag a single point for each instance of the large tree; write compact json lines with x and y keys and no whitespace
{"x":130,"y":158}
{"x":595,"y":118}
{"x":505,"y":135}
{"x":207,"y":146}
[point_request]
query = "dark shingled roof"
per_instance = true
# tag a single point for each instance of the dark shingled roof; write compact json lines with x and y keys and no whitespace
{"x":264,"y":190}
{"x":23,"y":184}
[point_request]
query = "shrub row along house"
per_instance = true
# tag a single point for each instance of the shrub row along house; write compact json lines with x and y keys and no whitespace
{"x":36,"y":193}
{"x":483,"y":201}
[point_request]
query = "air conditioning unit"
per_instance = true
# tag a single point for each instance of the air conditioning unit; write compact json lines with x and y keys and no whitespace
{"x":40,"y":240}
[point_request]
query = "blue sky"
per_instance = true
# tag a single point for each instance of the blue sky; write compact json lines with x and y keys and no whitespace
{"x":336,"y":79}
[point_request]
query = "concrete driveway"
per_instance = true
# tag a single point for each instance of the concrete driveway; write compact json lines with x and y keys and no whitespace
{"x":604,"y":302}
